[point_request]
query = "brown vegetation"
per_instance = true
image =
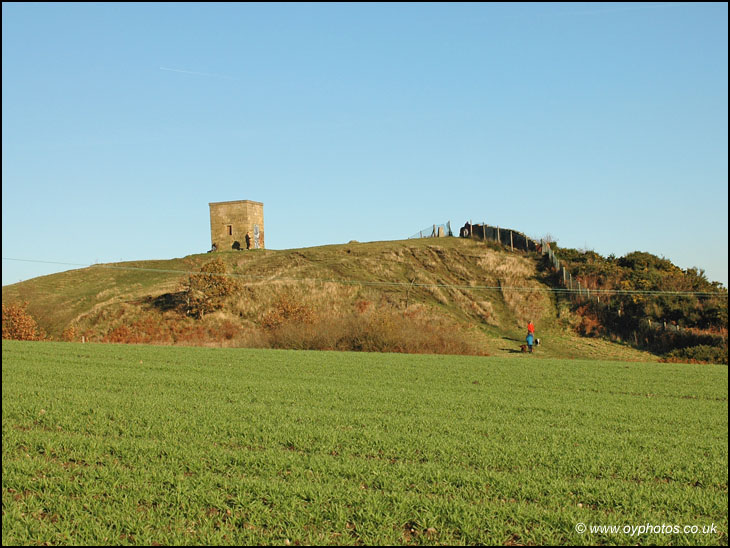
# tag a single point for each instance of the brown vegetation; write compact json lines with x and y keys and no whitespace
{"x":376,"y":329}
{"x":286,"y":311}
{"x":18,"y":324}
{"x":207,"y":291}
{"x":289,"y":323}
{"x":69,"y":334}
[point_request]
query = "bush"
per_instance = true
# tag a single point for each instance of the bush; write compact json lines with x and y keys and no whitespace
{"x":698,"y":354}
{"x":286,"y":310}
{"x":207,"y":291}
{"x":702,"y":319}
{"x":69,"y":334}
{"x":19,"y":325}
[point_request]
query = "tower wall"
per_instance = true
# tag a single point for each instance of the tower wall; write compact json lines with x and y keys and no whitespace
{"x":229,"y":222}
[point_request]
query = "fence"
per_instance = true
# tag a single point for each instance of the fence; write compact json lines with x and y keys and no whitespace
{"x":518,"y":240}
{"x":505,"y":236}
{"x":434,"y":231}
{"x":569,"y":283}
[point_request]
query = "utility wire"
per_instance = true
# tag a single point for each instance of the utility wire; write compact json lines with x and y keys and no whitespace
{"x":558,"y":290}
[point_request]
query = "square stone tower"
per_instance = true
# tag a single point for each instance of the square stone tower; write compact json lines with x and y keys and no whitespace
{"x":230,"y":221}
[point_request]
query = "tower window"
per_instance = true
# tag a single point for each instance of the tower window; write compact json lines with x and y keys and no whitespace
{"x":230,"y":230}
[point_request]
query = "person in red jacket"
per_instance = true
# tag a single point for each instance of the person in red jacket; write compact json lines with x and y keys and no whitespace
{"x":530,"y":334}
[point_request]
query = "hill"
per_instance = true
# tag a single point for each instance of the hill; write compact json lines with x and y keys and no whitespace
{"x":449,"y":294}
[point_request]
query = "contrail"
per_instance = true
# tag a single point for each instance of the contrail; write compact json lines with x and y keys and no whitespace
{"x":197,"y":73}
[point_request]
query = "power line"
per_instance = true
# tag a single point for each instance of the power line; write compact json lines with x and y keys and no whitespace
{"x":557,"y":290}
{"x":44,"y":262}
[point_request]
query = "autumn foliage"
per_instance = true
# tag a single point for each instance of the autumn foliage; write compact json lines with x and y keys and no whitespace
{"x":206,"y":292}
{"x":18,"y":324}
{"x":287,"y":310}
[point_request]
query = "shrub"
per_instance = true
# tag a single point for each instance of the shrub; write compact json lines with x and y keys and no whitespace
{"x":627,"y":315}
{"x":229,"y":330}
{"x":18,"y":324}
{"x":698,"y":354}
{"x":120,"y":334}
{"x":590,"y":324}
{"x":69,"y":334}
{"x":207,"y":291}
{"x":286,"y":310}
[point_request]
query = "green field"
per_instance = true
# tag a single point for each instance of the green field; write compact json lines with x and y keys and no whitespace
{"x":113,"y":444}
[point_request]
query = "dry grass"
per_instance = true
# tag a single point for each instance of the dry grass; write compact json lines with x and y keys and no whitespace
{"x":523,"y":295}
{"x":376,"y":328}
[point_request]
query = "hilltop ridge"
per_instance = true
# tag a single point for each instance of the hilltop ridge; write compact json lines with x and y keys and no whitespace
{"x":449,"y":285}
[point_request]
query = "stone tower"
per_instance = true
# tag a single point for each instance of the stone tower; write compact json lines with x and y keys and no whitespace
{"x":230,"y":221}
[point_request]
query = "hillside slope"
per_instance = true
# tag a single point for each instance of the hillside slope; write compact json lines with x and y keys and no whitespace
{"x":458,"y":284}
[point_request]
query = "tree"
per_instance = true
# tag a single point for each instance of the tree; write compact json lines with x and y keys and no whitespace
{"x":18,"y":324}
{"x":207,"y":291}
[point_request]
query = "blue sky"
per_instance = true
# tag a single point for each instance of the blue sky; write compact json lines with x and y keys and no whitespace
{"x":603,"y":125}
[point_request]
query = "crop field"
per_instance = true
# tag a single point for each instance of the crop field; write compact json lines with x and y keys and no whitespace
{"x":117,"y":444}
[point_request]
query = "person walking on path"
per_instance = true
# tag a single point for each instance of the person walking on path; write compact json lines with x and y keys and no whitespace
{"x":530,"y":334}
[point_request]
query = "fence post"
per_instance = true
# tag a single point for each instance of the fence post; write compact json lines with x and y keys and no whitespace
{"x":499,"y":240}
{"x":484,"y":231}
{"x":572,"y":286}
{"x":511,"y":242}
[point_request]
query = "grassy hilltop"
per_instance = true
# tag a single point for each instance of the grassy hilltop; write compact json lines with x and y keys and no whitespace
{"x":438,"y":290}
